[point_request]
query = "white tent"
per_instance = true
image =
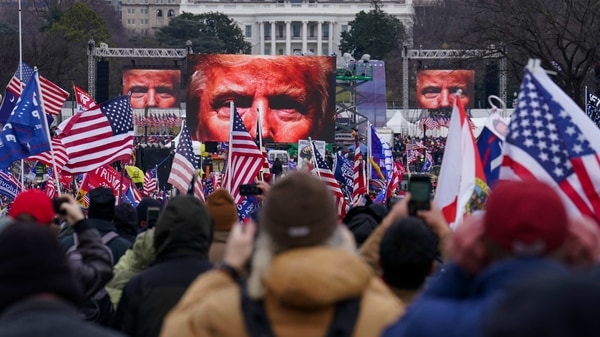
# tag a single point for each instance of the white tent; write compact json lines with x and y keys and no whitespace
{"x":399,"y":124}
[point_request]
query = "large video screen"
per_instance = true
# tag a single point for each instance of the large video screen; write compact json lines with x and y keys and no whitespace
{"x":436,"y":88}
{"x":153,"y":88}
{"x":294,"y":96}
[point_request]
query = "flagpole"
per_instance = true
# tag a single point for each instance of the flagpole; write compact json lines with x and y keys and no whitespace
{"x":314,"y":156}
{"x":585,"y":100}
{"x":369,"y":167}
{"x":229,"y":168}
{"x":46,"y":127}
{"x":260,"y":144}
{"x":121,"y":181}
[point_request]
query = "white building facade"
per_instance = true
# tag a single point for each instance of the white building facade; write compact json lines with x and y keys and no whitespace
{"x":290,"y":27}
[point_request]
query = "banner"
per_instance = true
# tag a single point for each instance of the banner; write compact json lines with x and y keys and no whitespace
{"x":105,"y":176}
{"x":305,"y":152}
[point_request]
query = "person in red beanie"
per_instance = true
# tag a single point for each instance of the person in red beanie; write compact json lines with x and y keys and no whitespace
{"x":32,"y":205}
{"x":91,"y":267}
{"x":524,"y":232}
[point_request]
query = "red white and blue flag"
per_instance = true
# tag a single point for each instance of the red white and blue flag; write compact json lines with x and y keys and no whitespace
{"x":551,"y":139}
{"x":324,"y":173}
{"x":150,"y":182}
{"x":184,"y":164}
{"x":246,"y":158}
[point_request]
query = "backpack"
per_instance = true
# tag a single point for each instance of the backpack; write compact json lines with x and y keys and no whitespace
{"x":98,"y":308}
{"x":258,"y":325}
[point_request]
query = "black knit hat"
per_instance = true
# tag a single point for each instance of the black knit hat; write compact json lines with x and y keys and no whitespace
{"x":32,"y":262}
{"x":102,"y":204}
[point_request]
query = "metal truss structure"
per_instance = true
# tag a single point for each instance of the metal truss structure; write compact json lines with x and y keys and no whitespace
{"x":105,"y":52}
{"x":436,"y":54}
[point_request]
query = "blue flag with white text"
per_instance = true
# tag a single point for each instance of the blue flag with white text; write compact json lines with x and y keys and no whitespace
{"x":25,"y":133}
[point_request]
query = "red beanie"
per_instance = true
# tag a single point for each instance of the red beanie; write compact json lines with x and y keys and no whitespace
{"x":35,"y":203}
{"x":527,"y":218}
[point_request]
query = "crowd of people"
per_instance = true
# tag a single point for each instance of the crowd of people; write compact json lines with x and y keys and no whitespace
{"x":522,"y":267}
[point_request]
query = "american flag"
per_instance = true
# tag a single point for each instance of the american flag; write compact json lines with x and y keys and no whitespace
{"x":99,"y":136}
{"x":54,"y":96}
{"x":184,"y":163}
{"x":398,"y":172}
{"x":551,"y":139}
{"x":430,"y":123}
{"x":60,"y":155}
{"x":412,"y":156}
{"x":246,"y":158}
{"x":150,"y":182}
{"x":199,"y":189}
{"x":359,"y":184}
{"x":415,"y":146}
{"x":50,"y":185}
{"x":592,"y":108}
{"x":324,"y":173}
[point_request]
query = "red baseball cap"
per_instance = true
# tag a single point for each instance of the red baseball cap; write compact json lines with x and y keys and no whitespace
{"x":527,"y":218}
{"x":35,"y":203}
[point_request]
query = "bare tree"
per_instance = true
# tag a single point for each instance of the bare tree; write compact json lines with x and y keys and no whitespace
{"x":563,"y":34}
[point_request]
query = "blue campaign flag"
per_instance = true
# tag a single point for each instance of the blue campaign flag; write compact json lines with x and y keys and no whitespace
{"x":25,"y":133}
{"x":129,"y":198}
{"x":246,"y":206}
{"x":8,"y":105}
{"x":9,"y":186}
{"x":13,"y":90}
{"x":344,"y":172}
{"x":489,"y":144}
{"x":381,"y":152}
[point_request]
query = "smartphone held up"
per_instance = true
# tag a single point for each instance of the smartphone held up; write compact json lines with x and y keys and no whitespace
{"x":420,"y":188}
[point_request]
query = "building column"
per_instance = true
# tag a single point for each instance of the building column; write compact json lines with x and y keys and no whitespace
{"x":320,"y":38}
{"x":288,"y":38}
{"x":331,"y":48}
{"x":261,"y":37}
{"x":304,"y":36}
{"x":273,"y":32}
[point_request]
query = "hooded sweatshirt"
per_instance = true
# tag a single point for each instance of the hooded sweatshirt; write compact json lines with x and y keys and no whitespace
{"x":181,"y":240}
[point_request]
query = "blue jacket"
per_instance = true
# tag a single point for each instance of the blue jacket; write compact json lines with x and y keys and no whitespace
{"x":455,"y":304}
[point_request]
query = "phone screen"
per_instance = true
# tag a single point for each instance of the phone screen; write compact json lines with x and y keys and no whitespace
{"x":420,"y":190}
{"x":152,"y":216}
{"x":420,"y":195}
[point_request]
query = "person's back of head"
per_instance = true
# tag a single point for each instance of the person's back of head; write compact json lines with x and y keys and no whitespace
{"x":184,"y":227}
{"x":126,"y":219}
{"x":524,"y":219}
{"x":547,"y":306}
{"x":407,"y":253}
{"x":102,"y":204}
{"x":142,"y":211}
{"x":32,"y":263}
{"x":32,"y":205}
{"x":298,"y":211}
{"x":361,"y":221}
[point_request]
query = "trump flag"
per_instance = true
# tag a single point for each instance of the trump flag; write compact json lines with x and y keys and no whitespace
{"x":551,"y":139}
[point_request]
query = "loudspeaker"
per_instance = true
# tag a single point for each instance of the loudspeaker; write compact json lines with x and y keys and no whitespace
{"x":211,"y":147}
{"x":492,"y":84}
{"x":102,"y":81}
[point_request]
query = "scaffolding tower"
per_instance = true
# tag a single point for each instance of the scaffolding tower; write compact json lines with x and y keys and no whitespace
{"x":348,"y":79}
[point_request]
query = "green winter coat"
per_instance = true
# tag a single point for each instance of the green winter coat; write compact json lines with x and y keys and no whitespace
{"x":131,"y":263}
